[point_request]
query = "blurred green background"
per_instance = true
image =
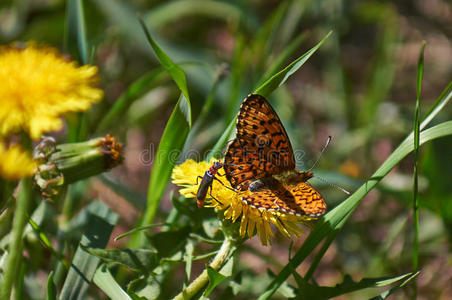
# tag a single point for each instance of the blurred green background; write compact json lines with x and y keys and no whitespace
{"x":360,"y":88}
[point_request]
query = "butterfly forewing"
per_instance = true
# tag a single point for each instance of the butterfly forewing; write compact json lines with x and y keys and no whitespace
{"x":261,"y":147}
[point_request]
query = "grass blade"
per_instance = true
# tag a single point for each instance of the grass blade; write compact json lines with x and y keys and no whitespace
{"x":280,"y":78}
{"x":101,"y":221}
{"x":174,"y":135}
{"x":174,"y":70}
{"x":105,"y":281}
{"x":279,"y":61}
{"x":51,"y":288}
{"x":420,"y":73}
{"x":172,"y":141}
{"x":75,"y":34}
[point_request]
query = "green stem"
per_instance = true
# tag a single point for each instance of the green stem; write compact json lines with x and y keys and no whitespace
{"x":15,"y":247}
{"x":220,"y":259}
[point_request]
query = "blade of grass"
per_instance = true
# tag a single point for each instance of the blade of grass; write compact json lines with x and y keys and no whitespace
{"x":206,"y":108}
{"x":14,"y":256}
{"x":75,"y":33}
{"x":337,"y":217}
{"x":174,"y":70}
{"x":420,"y":73}
{"x":76,"y":44}
{"x":105,"y":281}
{"x":51,"y":288}
{"x":280,"y":78}
{"x":101,"y":221}
{"x":174,"y":135}
{"x":279,"y":61}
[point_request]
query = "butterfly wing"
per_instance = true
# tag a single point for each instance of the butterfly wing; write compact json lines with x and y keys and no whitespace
{"x":261,"y":147}
{"x":300,"y":200}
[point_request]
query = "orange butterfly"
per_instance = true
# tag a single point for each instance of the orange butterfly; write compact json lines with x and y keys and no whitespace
{"x":261,"y":150}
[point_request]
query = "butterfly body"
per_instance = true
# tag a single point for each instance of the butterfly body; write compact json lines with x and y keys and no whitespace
{"x":261,"y":159}
{"x":206,"y":183}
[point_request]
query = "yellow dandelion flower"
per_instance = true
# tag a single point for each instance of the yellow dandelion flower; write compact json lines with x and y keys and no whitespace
{"x":38,"y":86}
{"x":15,"y":163}
{"x":253,"y":220}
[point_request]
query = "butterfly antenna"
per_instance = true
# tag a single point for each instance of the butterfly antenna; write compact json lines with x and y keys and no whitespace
{"x":321,"y":152}
{"x":333,"y":185}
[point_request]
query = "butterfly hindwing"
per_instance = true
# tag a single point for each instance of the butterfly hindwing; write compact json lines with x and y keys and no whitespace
{"x":300,"y":199}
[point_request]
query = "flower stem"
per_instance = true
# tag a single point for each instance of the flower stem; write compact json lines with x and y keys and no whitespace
{"x":15,"y":247}
{"x":225,"y":252}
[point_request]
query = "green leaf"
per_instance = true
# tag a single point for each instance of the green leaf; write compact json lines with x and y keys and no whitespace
{"x":215,"y":278}
{"x":416,"y":129}
{"x":188,"y":258}
{"x":142,"y":260}
{"x":171,"y":143}
{"x":105,"y":281}
{"x":309,"y":291}
{"x":174,"y":135}
{"x":280,"y":78}
{"x":174,"y":70}
{"x":279,"y":61}
{"x":101,"y":221}
{"x":51,"y":288}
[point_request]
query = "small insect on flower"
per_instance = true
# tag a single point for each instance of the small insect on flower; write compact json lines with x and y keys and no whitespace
{"x":206,"y":183}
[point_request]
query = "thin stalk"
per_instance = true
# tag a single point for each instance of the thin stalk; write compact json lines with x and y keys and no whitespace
{"x":415,"y":171}
{"x":220,"y":259}
{"x":15,"y":247}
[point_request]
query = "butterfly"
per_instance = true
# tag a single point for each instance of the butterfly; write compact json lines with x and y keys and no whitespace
{"x":262,"y":149}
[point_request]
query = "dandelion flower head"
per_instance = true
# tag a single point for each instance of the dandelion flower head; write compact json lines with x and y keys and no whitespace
{"x":15,"y":163}
{"x":38,"y":86}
